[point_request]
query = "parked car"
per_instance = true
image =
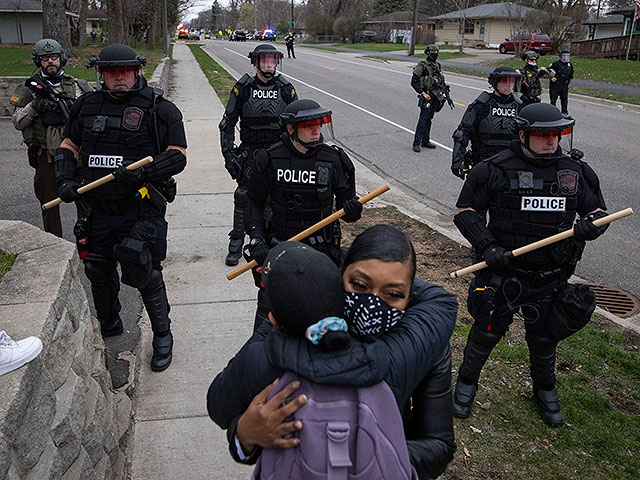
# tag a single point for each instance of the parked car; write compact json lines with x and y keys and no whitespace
{"x":538,"y":42}
{"x":183,"y":33}
{"x":238,"y":36}
{"x":269,"y":35}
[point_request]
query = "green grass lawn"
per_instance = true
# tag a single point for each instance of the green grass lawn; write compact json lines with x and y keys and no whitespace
{"x":6,"y":262}
{"x":388,"y":47}
{"x":597,"y":69}
{"x":15,"y":61}
{"x":218,"y":77}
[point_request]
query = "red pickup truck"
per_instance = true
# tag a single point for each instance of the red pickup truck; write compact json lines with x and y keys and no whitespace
{"x":538,"y":42}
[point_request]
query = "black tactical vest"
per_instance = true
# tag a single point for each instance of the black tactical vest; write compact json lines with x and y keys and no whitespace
{"x":115,"y":134}
{"x":259,"y":127}
{"x":537,"y":200}
{"x":302,"y":190}
{"x":495,"y":129}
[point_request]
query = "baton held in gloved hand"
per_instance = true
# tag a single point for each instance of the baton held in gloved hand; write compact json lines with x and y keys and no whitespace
{"x":544,"y":242}
{"x":100,"y":181}
{"x":312,"y":229}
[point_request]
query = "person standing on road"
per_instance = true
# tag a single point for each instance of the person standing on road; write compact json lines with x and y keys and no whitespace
{"x":531,"y":190}
{"x":531,"y":88}
{"x":41,"y":119}
{"x":487,"y":122}
{"x":303,"y":176}
{"x":257,"y":102}
{"x":428,"y":82}
{"x":124,"y":121}
{"x":559,"y":86}
{"x":289,"y":41}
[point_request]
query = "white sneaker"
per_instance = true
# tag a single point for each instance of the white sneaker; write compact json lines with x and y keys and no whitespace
{"x":15,"y":354}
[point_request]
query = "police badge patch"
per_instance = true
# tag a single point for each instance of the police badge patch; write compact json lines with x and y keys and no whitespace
{"x":568,"y":182}
{"x":132,"y":118}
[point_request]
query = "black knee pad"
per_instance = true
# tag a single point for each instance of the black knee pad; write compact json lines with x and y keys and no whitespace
{"x":154,"y":281}
{"x":99,"y":271}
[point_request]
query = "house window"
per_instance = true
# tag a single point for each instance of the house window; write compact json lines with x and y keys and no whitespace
{"x":468,"y":26}
{"x":439,"y":24}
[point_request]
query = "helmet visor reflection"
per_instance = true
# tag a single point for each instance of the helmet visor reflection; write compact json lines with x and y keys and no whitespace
{"x":316,"y":122}
{"x":119,"y":70}
{"x":551,"y":133}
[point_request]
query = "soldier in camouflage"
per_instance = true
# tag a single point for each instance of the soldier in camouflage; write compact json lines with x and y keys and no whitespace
{"x":530,"y":88}
{"x":428,"y":82}
{"x":42,"y":103}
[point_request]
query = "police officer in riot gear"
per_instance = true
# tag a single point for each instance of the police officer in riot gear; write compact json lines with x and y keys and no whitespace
{"x":563,"y":74}
{"x":531,"y":190}
{"x":530,"y":88}
{"x":303,"y":176}
{"x":109,"y":129}
{"x":487,"y":122}
{"x":258,"y":102}
{"x":428,"y":82}
{"x":42,"y":107}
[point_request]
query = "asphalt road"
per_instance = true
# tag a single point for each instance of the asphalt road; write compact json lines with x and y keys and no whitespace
{"x":375,"y":113}
{"x":18,"y":202}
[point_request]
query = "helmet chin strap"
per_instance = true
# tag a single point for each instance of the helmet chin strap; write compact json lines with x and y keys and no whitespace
{"x":305,"y":144}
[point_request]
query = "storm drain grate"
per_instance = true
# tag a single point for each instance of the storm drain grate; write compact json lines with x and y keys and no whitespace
{"x":615,"y":301}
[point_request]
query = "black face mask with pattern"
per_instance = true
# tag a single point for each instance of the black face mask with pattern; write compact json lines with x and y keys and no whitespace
{"x":368,"y":315}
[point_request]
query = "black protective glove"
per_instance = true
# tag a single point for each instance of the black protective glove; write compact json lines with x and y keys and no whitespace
{"x":496,"y":257}
{"x":457,"y":167}
{"x":352,"y":210}
{"x":68,"y":191}
{"x":584,"y":229}
{"x":129,"y":177}
{"x":257,"y":249}
{"x":232,"y":165}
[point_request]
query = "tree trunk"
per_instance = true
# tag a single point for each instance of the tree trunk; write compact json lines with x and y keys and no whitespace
{"x":55,"y":24}
{"x":82,"y":24}
{"x":116,"y":28}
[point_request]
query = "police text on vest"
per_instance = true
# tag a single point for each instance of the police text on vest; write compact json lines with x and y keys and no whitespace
{"x":503,"y":112}
{"x":265,"y":94}
{"x":544,"y":204}
{"x":105,"y":161}
{"x":296,"y":176}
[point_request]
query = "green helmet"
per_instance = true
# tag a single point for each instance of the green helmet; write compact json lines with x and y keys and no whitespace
{"x":432,"y":48}
{"x":530,"y":55}
{"x":47,"y":46}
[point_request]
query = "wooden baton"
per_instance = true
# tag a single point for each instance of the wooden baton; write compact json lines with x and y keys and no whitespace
{"x":100,"y":181}
{"x":312,"y":229}
{"x":544,"y":242}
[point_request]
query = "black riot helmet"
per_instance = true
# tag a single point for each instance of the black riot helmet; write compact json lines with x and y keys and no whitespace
{"x":304,"y":114}
{"x":543,"y":119}
{"x":265,"y":49}
{"x":117,"y":56}
{"x":431,"y":52}
{"x":503,"y":72}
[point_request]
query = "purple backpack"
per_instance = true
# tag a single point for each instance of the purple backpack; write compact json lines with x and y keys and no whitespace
{"x":348,"y":433}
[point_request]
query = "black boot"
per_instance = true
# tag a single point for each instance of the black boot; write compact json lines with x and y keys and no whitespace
{"x":542,"y":362}
{"x":111,"y":327}
{"x":476,"y":353}
{"x":428,"y":144}
{"x":235,"y":251}
{"x":154,"y":297}
{"x":416,"y":148}
{"x":236,"y":236}
{"x":162,"y":352}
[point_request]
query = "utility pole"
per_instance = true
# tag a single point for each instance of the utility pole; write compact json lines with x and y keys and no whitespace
{"x":165,"y":29}
{"x":412,"y":46}
{"x":293,"y":22}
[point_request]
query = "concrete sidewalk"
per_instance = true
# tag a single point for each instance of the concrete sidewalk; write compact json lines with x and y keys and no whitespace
{"x":212,"y":317}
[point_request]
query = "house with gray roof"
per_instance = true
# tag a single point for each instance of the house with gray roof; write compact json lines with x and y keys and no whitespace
{"x":483,"y":25}
{"x":604,"y":27}
{"x":21,"y":21}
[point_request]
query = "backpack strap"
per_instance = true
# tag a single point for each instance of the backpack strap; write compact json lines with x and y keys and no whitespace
{"x":338,"y":461}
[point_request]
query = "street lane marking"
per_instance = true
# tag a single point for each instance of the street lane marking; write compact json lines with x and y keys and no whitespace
{"x":328,"y":68}
{"x":368,"y":112}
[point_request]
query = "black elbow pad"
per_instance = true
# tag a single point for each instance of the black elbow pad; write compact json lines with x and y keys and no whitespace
{"x":165,"y":164}
{"x":473,"y":228}
{"x":64,"y":164}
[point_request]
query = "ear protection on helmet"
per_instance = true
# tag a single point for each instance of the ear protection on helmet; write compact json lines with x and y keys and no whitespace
{"x":36,"y":59}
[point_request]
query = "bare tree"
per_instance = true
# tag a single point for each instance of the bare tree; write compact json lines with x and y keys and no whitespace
{"x":55,"y":25}
{"x":462,"y":5}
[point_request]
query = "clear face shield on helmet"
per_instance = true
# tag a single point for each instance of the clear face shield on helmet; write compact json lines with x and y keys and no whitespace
{"x":268,"y":64}
{"x":314,"y":132}
{"x":545,"y":143}
{"x":507,"y":85}
{"x":565,"y":57}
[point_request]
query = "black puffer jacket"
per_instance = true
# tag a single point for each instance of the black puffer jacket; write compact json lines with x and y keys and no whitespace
{"x":401,"y":357}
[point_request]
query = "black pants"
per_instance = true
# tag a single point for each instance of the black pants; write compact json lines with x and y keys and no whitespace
{"x":423,"y":129}
{"x":44,"y":184}
{"x":559,"y":90}
{"x":290,"y":52}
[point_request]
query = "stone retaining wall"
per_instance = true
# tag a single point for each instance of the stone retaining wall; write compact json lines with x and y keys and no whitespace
{"x":59,"y":417}
{"x":160,"y":78}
